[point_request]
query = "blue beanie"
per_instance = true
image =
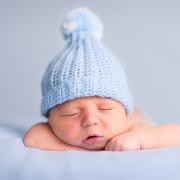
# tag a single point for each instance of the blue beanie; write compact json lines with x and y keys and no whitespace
{"x":85,"y":67}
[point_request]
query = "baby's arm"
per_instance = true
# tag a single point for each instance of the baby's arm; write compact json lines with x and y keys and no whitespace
{"x":144,"y":136}
{"x":41,"y":136}
{"x":159,"y":136}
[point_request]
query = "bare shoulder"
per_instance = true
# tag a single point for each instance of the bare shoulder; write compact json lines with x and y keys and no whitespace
{"x":39,"y":135}
{"x":37,"y":129}
{"x":139,"y":116}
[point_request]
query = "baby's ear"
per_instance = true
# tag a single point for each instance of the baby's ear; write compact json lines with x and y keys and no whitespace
{"x":35,"y":134}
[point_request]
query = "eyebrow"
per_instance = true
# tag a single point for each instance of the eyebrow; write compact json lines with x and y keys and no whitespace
{"x":107,"y":103}
{"x":108,"y":99}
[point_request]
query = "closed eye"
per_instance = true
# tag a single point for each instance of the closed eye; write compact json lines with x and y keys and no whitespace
{"x":71,"y":114}
{"x":106,"y":109}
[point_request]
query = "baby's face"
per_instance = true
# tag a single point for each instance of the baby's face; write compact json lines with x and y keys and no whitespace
{"x":88,"y":122}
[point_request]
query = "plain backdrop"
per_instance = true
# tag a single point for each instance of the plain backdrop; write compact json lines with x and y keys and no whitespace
{"x":145,"y":35}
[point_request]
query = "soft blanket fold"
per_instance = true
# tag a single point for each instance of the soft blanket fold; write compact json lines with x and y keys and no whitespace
{"x":22,"y":163}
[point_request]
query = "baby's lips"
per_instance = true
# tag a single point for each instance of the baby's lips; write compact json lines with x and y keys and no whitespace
{"x":93,"y":138}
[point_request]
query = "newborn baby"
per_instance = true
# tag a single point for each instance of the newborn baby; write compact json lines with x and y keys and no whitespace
{"x":86,"y":99}
{"x":96,"y":123}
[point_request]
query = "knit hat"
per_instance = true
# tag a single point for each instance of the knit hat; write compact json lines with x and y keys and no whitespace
{"x":85,"y":67}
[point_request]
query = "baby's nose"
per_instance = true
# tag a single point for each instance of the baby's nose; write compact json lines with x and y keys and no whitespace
{"x":90,"y":119}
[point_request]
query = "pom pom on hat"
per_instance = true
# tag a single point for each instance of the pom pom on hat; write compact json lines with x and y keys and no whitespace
{"x":82,"y":20}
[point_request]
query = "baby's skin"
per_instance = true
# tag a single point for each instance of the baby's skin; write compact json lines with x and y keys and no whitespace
{"x":95,"y":124}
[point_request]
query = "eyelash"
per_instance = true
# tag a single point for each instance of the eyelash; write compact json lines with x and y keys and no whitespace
{"x":105,"y":109}
{"x":72,"y":114}
{"x":102,"y":109}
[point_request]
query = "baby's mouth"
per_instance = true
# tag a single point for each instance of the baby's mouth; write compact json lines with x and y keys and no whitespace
{"x":92,"y":139}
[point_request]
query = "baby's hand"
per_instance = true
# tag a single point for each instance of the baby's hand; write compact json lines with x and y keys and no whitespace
{"x":127,"y":141}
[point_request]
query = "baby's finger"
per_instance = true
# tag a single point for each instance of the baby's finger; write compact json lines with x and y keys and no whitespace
{"x":117,"y":147}
{"x":129,"y":146}
{"x":109,"y":146}
{"x":122,"y":146}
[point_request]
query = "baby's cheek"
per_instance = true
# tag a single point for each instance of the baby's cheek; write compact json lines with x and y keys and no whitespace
{"x":67,"y":133}
{"x":60,"y":131}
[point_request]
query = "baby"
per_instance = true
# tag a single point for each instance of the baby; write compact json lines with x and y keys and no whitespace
{"x":86,"y":99}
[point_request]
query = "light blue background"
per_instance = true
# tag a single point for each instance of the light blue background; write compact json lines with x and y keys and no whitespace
{"x":144,"y":34}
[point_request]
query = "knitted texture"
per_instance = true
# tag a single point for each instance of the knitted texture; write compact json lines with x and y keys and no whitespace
{"x":85,"y":67}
